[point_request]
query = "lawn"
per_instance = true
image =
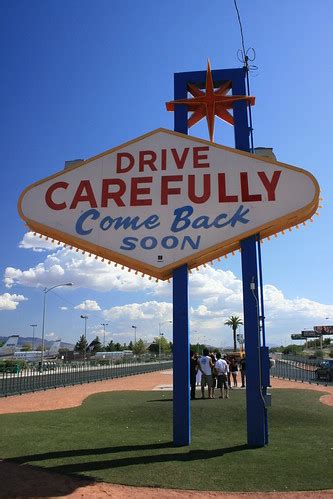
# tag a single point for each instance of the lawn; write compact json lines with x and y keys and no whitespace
{"x":126,"y":437}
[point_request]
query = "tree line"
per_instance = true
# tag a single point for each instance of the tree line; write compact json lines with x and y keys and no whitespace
{"x":159,"y":344}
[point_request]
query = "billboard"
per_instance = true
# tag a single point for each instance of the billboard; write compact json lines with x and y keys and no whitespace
{"x":310,"y":334}
{"x":323,"y":329}
{"x":165,"y":199}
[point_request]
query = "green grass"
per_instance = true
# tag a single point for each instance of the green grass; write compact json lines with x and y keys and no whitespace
{"x":126,"y":437}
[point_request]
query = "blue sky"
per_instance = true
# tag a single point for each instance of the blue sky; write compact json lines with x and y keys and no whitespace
{"x":80,"y":77}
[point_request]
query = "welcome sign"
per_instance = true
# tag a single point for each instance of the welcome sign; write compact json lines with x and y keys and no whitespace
{"x":165,"y":199}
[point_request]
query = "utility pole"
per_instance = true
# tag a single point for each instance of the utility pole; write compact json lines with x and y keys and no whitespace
{"x":33,"y":335}
{"x":104,"y":325}
{"x":161,"y":334}
{"x":134,"y":327}
{"x":47,"y":290}
{"x":85,"y":317}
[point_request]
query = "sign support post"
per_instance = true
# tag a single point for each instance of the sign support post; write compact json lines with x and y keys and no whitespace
{"x":257,"y":433}
{"x":256,"y":412}
{"x":181,"y":343}
{"x":181,"y":359}
{"x":257,"y":429}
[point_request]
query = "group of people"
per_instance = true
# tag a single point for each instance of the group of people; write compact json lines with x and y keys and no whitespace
{"x":216,"y":372}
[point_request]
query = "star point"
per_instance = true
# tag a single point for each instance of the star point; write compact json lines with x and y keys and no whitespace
{"x":210,"y":103}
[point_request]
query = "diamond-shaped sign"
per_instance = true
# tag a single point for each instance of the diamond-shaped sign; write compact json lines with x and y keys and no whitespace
{"x":165,"y":199}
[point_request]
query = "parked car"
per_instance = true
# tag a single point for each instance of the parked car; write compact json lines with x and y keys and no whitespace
{"x":325,"y":370}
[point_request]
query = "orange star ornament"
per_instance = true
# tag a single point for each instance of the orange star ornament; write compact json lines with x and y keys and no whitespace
{"x":210,"y":103}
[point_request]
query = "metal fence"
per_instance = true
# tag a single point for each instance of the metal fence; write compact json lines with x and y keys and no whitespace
{"x":296,"y":368}
{"x":55,"y":375}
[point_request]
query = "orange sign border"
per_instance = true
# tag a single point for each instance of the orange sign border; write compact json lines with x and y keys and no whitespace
{"x":199,"y":258}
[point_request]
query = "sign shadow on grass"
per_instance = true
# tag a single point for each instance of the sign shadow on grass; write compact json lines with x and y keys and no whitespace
{"x":118,"y":462}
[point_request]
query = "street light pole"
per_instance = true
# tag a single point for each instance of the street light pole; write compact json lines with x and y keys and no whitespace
{"x":159,"y":345}
{"x":46,"y":290}
{"x":85,"y":317}
{"x":134,"y":327}
{"x":161,"y":334}
{"x":33,"y":335}
{"x":104,"y":325}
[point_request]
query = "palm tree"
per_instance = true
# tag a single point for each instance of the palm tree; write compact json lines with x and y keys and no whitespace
{"x":234,"y":322}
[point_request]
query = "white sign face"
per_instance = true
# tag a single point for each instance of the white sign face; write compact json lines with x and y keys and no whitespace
{"x":166,"y":199}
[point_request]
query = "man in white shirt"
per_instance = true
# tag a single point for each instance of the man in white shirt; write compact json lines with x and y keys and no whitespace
{"x":222,"y":367}
{"x":205,"y":365}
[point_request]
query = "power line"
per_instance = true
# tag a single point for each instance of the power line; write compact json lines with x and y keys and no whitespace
{"x":246,"y":56}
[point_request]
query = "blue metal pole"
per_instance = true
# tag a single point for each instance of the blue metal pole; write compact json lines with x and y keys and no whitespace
{"x":265,"y":366}
{"x":181,"y":356}
{"x":262,"y":308}
{"x":181,"y":345}
{"x":257,"y":428}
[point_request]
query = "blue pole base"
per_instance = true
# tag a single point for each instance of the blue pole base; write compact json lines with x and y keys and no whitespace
{"x":256,"y":412}
{"x":181,"y":359}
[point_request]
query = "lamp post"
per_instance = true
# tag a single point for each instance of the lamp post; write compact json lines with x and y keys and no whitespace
{"x":46,"y":290}
{"x":134,"y":327}
{"x":104,"y":325}
{"x":85,"y":317}
{"x":161,"y":334}
{"x":33,"y":335}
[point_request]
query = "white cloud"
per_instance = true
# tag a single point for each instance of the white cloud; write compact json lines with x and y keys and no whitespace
{"x":212,"y":282}
{"x":215,"y":294}
{"x":63,"y":308}
{"x":40,"y":275}
{"x":36,"y":243}
{"x":88,"y":305}
{"x":10,"y":302}
{"x":83,"y":271}
{"x":141,"y":311}
{"x":276,"y":304}
{"x":145,"y":316}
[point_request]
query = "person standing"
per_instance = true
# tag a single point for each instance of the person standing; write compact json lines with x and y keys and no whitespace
{"x":214,"y":373}
{"x":242,"y":370}
{"x":234,"y":370}
{"x":205,"y":365}
{"x":193,"y":373}
{"x":221,"y":367}
{"x":226,"y":358}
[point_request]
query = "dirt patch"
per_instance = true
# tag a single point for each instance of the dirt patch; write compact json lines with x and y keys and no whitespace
{"x":27,"y":481}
